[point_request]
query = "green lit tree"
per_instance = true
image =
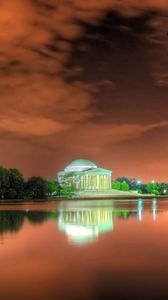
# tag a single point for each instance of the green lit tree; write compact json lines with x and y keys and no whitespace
{"x":124,"y":186}
{"x":68,"y":191}
{"x":156,"y":188}
{"x":116,"y":185}
{"x":53,"y":188}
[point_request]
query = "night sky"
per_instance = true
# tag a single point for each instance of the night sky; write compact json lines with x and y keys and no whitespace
{"x":84,"y":79}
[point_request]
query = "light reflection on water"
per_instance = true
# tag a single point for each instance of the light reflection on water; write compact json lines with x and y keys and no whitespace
{"x":84,"y":250}
{"x":85,"y":222}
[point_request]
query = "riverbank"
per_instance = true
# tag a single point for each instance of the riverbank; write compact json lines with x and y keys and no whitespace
{"x":109,"y":194}
{"x":114,"y":197}
{"x":97,"y":196}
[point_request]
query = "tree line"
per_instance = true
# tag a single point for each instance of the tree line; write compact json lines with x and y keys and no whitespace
{"x":133,"y":184}
{"x":13,"y":185}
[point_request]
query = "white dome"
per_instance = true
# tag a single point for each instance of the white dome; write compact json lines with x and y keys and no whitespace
{"x":80,"y":165}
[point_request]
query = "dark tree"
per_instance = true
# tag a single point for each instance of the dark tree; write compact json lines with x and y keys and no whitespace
{"x":36,"y":188}
{"x":4,"y":182}
{"x":16,"y":190}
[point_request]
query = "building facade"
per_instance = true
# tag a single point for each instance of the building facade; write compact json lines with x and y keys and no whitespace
{"x":85,"y":176}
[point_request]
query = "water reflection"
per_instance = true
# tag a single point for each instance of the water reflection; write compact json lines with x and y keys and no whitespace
{"x":82,"y":221}
{"x":83,"y":225}
{"x":95,"y":249}
{"x":140,"y":208}
{"x":154,"y":209}
{"x":12,"y":221}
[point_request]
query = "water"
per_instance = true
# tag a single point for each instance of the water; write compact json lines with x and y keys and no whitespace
{"x":84,"y":250}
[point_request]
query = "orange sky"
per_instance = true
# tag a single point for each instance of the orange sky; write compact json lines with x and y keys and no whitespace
{"x":84,"y":79}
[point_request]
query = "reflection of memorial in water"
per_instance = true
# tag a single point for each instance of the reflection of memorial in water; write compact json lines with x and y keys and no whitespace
{"x":84,"y":226}
{"x":82,"y":221}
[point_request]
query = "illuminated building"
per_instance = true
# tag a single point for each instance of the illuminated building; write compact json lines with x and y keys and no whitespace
{"x":85,"y":176}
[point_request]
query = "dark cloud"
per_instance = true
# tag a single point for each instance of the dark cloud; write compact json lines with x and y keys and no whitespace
{"x":121,"y":50}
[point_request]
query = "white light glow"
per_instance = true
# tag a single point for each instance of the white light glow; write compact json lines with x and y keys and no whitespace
{"x":78,"y":230}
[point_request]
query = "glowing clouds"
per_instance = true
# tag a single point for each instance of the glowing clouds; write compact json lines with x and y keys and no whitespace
{"x":44,"y":93}
{"x":30,"y":125}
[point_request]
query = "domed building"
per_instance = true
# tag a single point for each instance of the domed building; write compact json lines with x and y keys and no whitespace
{"x":85,"y":176}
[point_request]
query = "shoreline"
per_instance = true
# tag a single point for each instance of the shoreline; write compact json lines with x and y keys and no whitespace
{"x":112,"y":197}
{"x":59,"y":199}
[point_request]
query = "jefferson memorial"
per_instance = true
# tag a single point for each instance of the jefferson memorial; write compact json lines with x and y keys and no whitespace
{"x":85,"y":176}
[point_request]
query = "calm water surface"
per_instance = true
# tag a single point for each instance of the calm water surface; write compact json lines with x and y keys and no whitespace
{"x":84,"y":250}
